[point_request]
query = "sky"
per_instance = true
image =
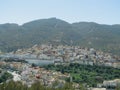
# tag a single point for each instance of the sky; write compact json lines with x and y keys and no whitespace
{"x":22,"y":11}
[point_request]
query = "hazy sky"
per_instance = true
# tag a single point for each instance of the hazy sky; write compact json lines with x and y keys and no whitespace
{"x":21,"y":11}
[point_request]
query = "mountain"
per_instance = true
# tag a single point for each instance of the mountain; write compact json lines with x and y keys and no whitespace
{"x":105,"y":37}
{"x":53,"y":30}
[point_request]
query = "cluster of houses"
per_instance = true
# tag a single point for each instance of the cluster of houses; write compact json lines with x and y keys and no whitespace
{"x":108,"y":85}
{"x":48,"y":78}
{"x":62,"y":54}
{"x":28,"y":75}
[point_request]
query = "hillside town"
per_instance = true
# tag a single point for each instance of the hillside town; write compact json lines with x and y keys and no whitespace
{"x":14,"y":63}
{"x":64,"y":54}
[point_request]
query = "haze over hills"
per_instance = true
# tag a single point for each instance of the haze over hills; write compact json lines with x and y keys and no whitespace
{"x":88,"y":34}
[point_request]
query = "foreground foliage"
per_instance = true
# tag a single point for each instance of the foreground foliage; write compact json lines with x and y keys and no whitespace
{"x":37,"y":86}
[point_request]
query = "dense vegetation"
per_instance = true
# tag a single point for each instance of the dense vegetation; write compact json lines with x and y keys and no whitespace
{"x":5,"y":76}
{"x":86,"y":73}
{"x":88,"y":34}
{"x":37,"y":86}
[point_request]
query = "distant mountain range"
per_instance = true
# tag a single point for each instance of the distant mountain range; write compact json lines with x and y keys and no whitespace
{"x":56,"y":31}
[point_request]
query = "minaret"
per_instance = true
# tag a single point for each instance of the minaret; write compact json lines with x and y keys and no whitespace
{"x":71,"y":79}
